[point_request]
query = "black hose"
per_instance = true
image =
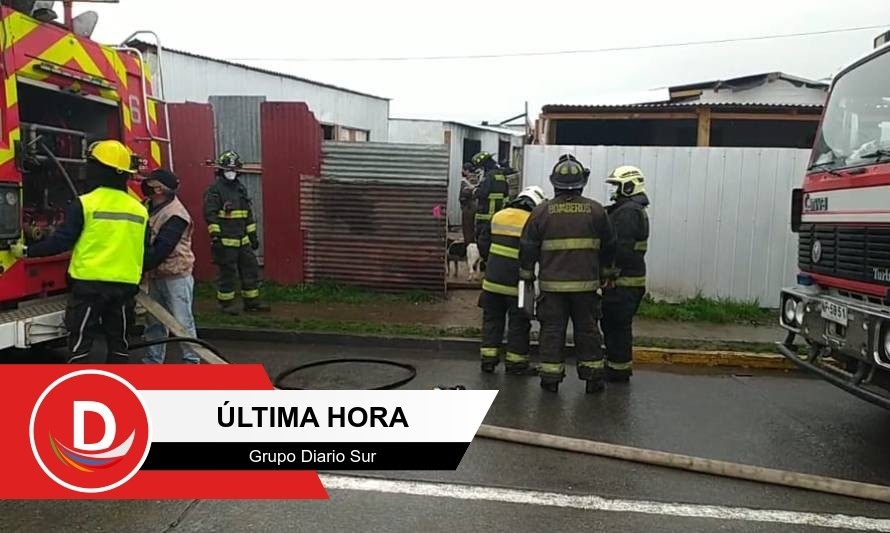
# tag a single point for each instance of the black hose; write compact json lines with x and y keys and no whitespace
{"x":169,"y":340}
{"x":394,"y":385}
{"x":278,"y":384}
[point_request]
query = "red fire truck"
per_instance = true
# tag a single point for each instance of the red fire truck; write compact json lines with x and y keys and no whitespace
{"x":61,"y":92}
{"x":840,"y":306}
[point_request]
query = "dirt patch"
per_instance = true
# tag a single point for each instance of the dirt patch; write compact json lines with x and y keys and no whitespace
{"x":459,"y":309}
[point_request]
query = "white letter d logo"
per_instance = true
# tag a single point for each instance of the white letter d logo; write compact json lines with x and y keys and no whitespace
{"x":81,"y":408}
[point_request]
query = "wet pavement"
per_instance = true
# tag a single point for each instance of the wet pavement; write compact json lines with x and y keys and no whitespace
{"x":785,"y":421}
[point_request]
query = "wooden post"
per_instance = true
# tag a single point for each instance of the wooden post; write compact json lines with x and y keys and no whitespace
{"x":704,"y":126}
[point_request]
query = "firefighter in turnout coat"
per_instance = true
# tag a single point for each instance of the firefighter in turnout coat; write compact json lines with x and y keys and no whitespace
{"x":499,"y":300}
{"x":625,"y":284}
{"x":570,"y":237}
{"x":233,"y":236}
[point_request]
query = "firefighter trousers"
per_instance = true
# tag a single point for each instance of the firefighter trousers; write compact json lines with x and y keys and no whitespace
{"x":620,"y":304}
{"x":94,"y":306}
{"x":554,"y":311}
{"x":236,"y":264}
{"x":500,"y":312}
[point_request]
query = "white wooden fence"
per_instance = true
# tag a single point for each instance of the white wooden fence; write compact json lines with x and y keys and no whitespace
{"x":720,"y":216}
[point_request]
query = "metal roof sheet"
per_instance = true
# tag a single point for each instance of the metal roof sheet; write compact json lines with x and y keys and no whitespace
{"x":561,"y":108}
{"x":257,"y":69}
{"x":741,"y":91}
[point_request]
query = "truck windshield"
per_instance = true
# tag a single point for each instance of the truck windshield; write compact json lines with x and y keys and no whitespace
{"x":856,"y":125}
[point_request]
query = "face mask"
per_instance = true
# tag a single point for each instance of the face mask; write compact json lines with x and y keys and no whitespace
{"x":230,"y":174}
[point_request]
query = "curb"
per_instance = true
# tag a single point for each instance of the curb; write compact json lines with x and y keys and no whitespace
{"x":470,"y":347}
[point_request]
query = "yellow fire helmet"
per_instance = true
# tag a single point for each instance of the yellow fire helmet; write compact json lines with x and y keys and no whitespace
{"x":628,"y":181}
{"x":113,"y":154}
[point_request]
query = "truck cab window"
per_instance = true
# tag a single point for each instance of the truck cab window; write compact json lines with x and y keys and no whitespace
{"x":856,"y":126}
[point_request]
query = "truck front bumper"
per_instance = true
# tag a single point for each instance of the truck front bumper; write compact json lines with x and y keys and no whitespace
{"x":846,"y":340}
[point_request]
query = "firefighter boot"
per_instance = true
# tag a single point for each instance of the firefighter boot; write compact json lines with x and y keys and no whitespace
{"x":228,"y":308}
{"x":550,"y":383}
{"x":521,"y":369}
{"x":595,"y":385}
{"x":614,"y":375}
{"x":489,"y":364}
{"x":254,"y":305}
{"x":595,"y":378}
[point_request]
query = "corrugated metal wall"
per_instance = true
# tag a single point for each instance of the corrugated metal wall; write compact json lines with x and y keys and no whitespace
{"x":720,"y":216}
{"x":237,"y":125}
{"x":291,"y":140}
{"x":371,"y":219}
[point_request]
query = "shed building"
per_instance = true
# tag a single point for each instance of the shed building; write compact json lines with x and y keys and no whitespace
{"x":464,"y":141}
{"x":763,"y":110}
{"x":344,"y":114}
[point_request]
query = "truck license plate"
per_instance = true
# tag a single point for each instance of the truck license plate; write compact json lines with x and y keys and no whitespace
{"x":834,"y":312}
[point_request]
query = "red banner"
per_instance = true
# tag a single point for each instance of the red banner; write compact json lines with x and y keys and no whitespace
{"x":82,"y":432}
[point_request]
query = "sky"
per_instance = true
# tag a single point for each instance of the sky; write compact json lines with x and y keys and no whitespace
{"x":272,"y":33}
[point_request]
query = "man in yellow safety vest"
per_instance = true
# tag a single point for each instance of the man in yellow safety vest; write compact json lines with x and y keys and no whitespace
{"x":106,"y":231}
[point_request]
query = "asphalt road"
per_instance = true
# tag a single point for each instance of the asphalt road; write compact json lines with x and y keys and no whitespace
{"x":769,"y":419}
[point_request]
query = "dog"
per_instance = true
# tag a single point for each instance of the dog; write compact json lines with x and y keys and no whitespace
{"x":459,"y":252}
{"x":474,"y":263}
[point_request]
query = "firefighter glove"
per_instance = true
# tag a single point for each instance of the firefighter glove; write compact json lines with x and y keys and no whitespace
{"x":254,"y":242}
{"x":526,"y":275}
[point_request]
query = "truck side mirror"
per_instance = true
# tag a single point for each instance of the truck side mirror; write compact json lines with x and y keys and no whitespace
{"x":796,"y":209}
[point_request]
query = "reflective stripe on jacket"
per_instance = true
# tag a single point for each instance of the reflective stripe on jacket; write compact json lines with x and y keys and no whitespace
{"x":571,"y":237}
{"x":492,"y":194}
{"x":111,"y":246}
{"x":500,"y":248}
{"x":228,"y":212}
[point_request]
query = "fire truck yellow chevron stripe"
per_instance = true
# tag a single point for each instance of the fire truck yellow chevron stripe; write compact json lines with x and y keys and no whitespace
{"x":61,"y":52}
{"x":18,"y":26}
{"x":7,"y":154}
{"x":125,"y":111}
{"x":120,"y":70}
{"x":12,"y":93}
{"x":153,"y":110}
{"x":156,"y":153}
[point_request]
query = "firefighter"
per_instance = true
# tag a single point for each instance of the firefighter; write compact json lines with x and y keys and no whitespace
{"x":106,"y":231}
{"x":626,"y":278}
{"x":169,"y":263}
{"x":499,"y":247}
{"x":233,"y":236}
{"x":492,"y":191}
{"x":571,"y":237}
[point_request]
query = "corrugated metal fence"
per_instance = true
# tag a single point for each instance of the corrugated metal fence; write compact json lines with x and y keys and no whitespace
{"x":373,"y":216}
{"x":237,"y":127}
{"x":720,"y":216}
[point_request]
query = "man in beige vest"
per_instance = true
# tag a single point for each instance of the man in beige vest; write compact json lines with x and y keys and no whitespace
{"x":169,"y":262}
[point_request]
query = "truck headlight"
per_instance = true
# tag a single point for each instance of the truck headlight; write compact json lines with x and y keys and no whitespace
{"x":789,"y":310}
{"x":798,"y":313}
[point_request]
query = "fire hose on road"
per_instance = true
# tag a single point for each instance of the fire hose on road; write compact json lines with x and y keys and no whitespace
{"x":840,"y":487}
